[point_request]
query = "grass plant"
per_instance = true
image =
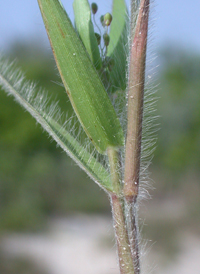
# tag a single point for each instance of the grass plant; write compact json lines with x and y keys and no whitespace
{"x":104,"y":76}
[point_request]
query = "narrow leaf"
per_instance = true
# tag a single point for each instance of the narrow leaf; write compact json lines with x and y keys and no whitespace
{"x":36,"y":102}
{"x":85,"y":28}
{"x":118,"y":47}
{"x":82,"y":83}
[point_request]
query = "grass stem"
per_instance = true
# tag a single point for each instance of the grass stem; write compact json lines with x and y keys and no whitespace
{"x":126,"y":263}
{"x":117,"y":203}
{"x":134,"y":123}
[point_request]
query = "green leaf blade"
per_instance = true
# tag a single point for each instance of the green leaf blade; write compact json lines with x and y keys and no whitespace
{"x":82,"y":83}
{"x":84,"y":26}
{"x":118,"y":47}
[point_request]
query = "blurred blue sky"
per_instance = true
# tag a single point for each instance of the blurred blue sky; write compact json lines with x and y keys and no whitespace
{"x":175,"y":22}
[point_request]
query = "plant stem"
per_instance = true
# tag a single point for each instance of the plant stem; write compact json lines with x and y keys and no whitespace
{"x":135,"y":103}
{"x":126,"y":263}
{"x":117,"y":203}
{"x":132,"y":228}
{"x":113,"y":156}
{"x":134,"y":122}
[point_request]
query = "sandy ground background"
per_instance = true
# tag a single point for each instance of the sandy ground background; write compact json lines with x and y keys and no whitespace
{"x":85,"y":244}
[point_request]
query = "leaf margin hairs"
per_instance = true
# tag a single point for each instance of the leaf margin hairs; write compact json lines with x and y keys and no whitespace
{"x":12,"y":81}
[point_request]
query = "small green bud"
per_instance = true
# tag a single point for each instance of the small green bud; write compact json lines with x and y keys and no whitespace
{"x":102,"y":20}
{"x":107,"y":19}
{"x":98,"y":36}
{"x":106,"y":39}
{"x":94,"y":8}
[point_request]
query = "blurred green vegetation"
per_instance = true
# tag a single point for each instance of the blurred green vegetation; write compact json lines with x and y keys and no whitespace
{"x":38,"y":180}
{"x":18,"y":266}
{"x":177,"y":156}
{"x":176,"y":164}
{"x":179,"y":138}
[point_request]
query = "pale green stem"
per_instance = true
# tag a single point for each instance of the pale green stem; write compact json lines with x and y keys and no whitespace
{"x":126,"y":263}
{"x":134,"y":126}
{"x":117,"y":202}
{"x":113,"y":156}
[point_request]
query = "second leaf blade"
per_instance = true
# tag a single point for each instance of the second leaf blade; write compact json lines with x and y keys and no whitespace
{"x":84,"y":26}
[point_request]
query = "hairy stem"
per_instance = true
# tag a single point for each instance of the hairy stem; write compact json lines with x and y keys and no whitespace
{"x":135,"y":102}
{"x":117,"y":202}
{"x":133,"y":234}
{"x":134,"y":125}
{"x":126,"y":263}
